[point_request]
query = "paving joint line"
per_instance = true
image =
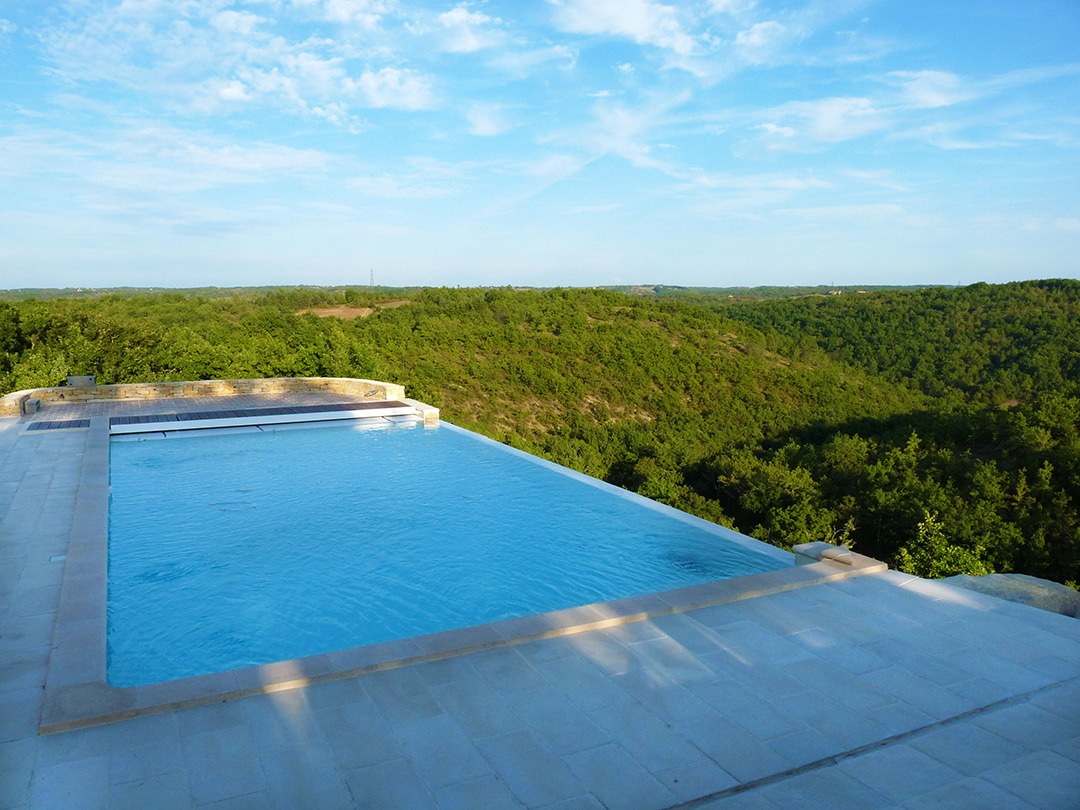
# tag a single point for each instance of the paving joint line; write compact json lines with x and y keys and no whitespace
{"x":836,"y":759}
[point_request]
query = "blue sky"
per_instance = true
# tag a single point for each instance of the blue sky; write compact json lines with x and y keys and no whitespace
{"x":551,"y":142}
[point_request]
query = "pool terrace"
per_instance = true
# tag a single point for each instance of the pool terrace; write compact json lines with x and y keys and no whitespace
{"x":823,"y":685}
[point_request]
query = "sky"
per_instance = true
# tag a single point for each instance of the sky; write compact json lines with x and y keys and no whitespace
{"x":185,"y":143}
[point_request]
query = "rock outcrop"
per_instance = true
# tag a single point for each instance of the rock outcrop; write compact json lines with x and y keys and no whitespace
{"x":1040,"y":593}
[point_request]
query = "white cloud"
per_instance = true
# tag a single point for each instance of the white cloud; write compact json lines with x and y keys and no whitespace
{"x":644,"y":21}
{"x":401,"y":89}
{"x":467,"y":31}
{"x":927,"y":89}
{"x":803,"y":124}
{"x":487,"y":120}
{"x":392,"y":187}
{"x":870,"y":212}
{"x":7,"y":26}
{"x":236,"y":22}
{"x":593,"y":209}
{"x":760,"y":35}
{"x":365,"y":13}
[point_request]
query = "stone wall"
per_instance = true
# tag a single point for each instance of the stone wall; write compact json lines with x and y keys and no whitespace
{"x":11,"y":404}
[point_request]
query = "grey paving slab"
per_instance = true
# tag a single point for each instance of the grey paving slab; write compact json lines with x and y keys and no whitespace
{"x":647,"y":738}
{"x":224,"y":764}
{"x":481,"y":709}
{"x":1029,"y":725}
{"x":830,"y":788}
{"x":1044,"y":779}
{"x":442,"y":747}
{"x":899,"y":772}
{"x":486,"y":791}
{"x":168,"y":791}
{"x":393,"y":785}
{"x":971,"y":792}
{"x":555,"y":719}
{"x":968,"y":748}
{"x":533,"y":774}
{"x":618,"y":781}
{"x":304,"y":776}
{"x":738,"y":752}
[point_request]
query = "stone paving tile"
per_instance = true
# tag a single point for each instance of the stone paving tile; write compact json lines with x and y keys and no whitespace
{"x":618,"y":781}
{"x":357,"y":734}
{"x":441,"y":751}
{"x":281,"y":720}
{"x":682,"y":663}
{"x":507,"y":671}
{"x":1044,"y":778}
{"x":81,"y":784}
{"x":696,"y":779}
{"x":558,"y":722}
{"x":477,"y":706}
{"x":222,"y":765}
{"x":400,"y":695}
{"x":849,"y":728}
{"x":804,"y":747}
{"x":736,"y":751}
{"x":19,"y":713}
{"x":967,"y":748}
{"x":304,"y":776}
{"x":937,"y":701}
{"x":583,"y":683}
{"x":749,"y":800}
{"x":844,"y":687}
{"x":258,"y":800}
{"x":14,"y":785}
{"x":971,"y":792}
{"x":689,"y":631}
{"x":607,"y":653}
{"x":586,"y":802}
{"x":168,"y":791}
{"x":484,"y":792}
{"x":533,"y":774}
{"x":447,"y":670}
{"x":1029,"y":726}
{"x":826,"y":788}
{"x":664,"y":696}
{"x":644,"y":736}
{"x":757,"y":715}
{"x":392,"y":785}
{"x":899,"y":771}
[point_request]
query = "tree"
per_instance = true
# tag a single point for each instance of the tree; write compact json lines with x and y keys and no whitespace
{"x":931,"y":555}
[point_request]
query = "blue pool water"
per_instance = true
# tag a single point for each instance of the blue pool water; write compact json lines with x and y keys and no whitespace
{"x":245,"y":548}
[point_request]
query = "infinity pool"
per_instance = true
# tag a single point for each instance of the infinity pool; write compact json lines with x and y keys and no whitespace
{"x":243,"y":548}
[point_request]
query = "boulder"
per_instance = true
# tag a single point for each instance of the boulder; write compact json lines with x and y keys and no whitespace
{"x":1040,"y":593}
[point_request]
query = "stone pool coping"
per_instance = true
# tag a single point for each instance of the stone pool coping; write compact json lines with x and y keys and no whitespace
{"x":77,"y":695}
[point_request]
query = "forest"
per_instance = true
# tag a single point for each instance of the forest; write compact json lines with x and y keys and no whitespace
{"x":934,"y":428}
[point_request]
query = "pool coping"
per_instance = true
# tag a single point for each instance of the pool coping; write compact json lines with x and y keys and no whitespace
{"x":77,"y":695}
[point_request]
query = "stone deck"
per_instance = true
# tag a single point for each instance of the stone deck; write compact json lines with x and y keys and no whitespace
{"x":876,"y":690}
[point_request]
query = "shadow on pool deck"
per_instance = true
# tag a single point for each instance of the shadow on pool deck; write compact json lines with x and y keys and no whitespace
{"x":875,"y":690}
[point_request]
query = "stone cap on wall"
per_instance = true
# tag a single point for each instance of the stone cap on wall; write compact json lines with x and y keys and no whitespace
{"x":11,"y":404}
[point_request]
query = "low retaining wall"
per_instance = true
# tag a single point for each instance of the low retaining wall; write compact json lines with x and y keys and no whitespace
{"x":11,"y":404}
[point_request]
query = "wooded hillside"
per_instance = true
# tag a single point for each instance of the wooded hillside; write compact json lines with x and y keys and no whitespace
{"x":936,"y":429}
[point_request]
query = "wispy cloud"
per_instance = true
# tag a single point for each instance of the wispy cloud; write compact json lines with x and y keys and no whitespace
{"x":642,"y":21}
{"x":487,"y":120}
{"x":466,"y":31}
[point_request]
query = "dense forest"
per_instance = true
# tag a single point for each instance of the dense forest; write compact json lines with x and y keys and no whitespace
{"x":936,"y":429}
